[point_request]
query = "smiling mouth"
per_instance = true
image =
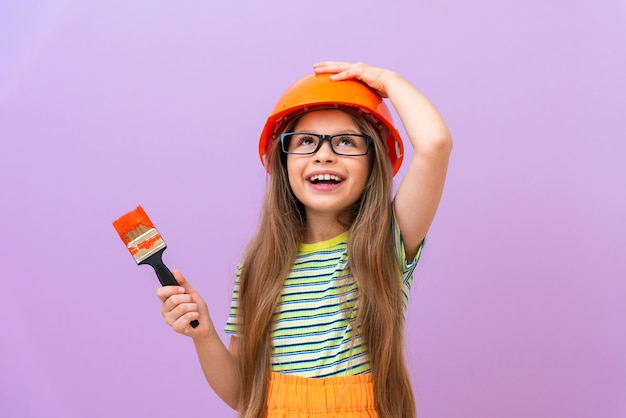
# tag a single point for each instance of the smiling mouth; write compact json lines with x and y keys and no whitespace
{"x":324,"y":179}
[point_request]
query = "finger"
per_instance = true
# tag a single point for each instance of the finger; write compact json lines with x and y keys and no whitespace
{"x":176,"y":306}
{"x":165,"y":292}
{"x":188,"y":310}
{"x":331,"y":65}
{"x":182,"y":324}
{"x":182,"y":281}
{"x":181,"y":309}
{"x":342,"y":70}
{"x":344,"y":75}
{"x":175,"y":300}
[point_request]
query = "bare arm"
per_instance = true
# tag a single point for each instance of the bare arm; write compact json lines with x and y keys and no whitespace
{"x":181,"y":305}
{"x":420,"y":191}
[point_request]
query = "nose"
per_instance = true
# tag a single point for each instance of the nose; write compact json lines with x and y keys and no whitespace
{"x":325,"y":152}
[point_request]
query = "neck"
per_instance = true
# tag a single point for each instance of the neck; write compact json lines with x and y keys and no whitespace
{"x":321,"y":228}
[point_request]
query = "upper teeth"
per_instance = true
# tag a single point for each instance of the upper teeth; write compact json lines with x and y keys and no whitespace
{"x":324,"y":177}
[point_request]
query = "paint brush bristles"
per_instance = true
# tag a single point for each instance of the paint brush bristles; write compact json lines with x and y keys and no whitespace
{"x":139,"y":234}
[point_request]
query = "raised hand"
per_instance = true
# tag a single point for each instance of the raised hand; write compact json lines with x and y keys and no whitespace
{"x":375,"y":77}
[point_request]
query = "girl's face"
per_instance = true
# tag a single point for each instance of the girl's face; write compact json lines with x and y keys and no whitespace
{"x":324,"y":182}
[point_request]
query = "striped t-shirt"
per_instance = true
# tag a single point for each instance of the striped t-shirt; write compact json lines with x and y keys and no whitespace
{"x":312,"y":328}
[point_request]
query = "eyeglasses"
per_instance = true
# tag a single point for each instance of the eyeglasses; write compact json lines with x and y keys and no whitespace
{"x":305,"y":143}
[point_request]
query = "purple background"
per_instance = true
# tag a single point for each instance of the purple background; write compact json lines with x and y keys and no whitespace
{"x":518,"y":309}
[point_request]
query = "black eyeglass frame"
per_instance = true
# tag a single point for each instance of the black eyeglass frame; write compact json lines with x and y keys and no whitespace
{"x":323,"y":138}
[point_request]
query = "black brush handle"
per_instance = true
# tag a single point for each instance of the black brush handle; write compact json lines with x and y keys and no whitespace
{"x":165,"y":276}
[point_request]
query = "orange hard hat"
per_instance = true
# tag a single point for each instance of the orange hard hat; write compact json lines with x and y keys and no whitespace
{"x":318,"y":91}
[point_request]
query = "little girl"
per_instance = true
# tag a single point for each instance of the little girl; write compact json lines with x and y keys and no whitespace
{"x":317,"y":318}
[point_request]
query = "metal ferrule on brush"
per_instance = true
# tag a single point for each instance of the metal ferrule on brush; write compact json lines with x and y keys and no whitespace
{"x":146,"y":244}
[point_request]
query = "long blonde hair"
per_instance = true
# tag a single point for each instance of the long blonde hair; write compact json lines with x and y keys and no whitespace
{"x":267,"y":262}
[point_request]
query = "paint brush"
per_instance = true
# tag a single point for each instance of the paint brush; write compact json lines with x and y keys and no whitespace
{"x":145,"y":245}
